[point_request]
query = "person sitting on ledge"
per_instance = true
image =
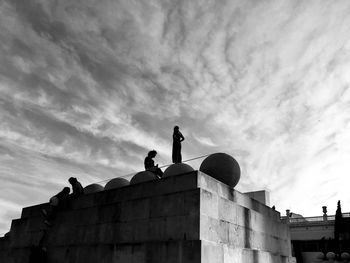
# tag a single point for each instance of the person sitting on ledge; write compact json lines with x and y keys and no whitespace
{"x":77,"y":188}
{"x":149,"y":164}
{"x":57,"y":202}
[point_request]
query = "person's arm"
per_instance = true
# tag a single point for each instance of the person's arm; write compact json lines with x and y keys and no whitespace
{"x":182,"y":138}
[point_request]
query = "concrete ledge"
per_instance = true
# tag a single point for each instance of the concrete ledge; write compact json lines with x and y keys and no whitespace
{"x":168,"y":185}
{"x":210,"y":184}
{"x":220,"y":208}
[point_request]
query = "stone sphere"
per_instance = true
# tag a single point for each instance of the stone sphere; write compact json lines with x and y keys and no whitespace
{"x":177,"y":168}
{"x":93,"y":188}
{"x":116,"y":183}
{"x":345,"y":256}
{"x":143,"y":176}
{"x":222,"y":167}
{"x":330,"y":255}
{"x":319,"y":256}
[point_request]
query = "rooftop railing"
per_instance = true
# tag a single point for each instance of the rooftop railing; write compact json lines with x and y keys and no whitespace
{"x":312,"y":219}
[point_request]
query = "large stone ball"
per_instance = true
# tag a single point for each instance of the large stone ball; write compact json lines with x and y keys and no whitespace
{"x":330,"y":255}
{"x":345,"y":256}
{"x":93,"y":188}
{"x":116,"y":183}
{"x":222,"y":167}
{"x":143,"y":176}
{"x":177,"y":168}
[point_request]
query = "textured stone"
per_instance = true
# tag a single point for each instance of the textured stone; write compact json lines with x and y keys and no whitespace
{"x":93,"y":188}
{"x":222,"y":167}
{"x":182,"y":218}
{"x":116,"y":183}
{"x":142,"y":177}
{"x":177,"y":168}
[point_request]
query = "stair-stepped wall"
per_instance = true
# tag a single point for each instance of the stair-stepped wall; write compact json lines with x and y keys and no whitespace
{"x":185,"y":218}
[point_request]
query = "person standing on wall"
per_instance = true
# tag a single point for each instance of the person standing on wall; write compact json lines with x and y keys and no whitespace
{"x":177,"y":139}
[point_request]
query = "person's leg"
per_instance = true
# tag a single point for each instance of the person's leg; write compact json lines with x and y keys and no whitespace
{"x":159,"y":172}
{"x":176,"y":152}
{"x":179,"y":154}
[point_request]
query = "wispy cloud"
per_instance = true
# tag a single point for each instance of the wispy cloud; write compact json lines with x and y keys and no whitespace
{"x":87,"y":88}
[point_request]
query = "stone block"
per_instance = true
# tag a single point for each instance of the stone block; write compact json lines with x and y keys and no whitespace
{"x":185,"y":218}
{"x":222,"y":253}
{"x":205,"y":182}
{"x":34,"y":210}
{"x":262,"y":196}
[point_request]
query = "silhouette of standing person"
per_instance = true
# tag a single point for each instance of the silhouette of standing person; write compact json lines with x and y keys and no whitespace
{"x":177,"y":139}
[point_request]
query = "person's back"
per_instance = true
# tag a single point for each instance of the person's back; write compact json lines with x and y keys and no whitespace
{"x":77,"y":188}
{"x":57,"y":202}
{"x":149,"y":163}
{"x":63,"y":197}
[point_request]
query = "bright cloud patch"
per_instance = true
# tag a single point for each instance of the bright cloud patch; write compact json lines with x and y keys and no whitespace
{"x":87,"y":88}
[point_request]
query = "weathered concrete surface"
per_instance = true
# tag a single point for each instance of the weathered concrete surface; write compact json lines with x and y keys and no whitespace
{"x":262,"y":196}
{"x":184,"y":218}
{"x":213,"y":252}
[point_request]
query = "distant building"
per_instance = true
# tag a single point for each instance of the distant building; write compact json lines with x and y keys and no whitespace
{"x":311,"y":235}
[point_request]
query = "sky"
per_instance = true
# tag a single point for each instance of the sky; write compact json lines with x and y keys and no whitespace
{"x":88,"y":87}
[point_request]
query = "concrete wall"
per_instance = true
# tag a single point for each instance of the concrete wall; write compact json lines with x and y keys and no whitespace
{"x":186,"y":218}
{"x":261,"y":196}
{"x":236,"y":228}
{"x":312,"y":231}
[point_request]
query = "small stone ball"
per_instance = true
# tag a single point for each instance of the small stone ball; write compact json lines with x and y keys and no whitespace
{"x":177,"y":168}
{"x":319,"y":256}
{"x":116,"y":183}
{"x":143,"y":176}
{"x":345,"y":256}
{"x":330,"y":255}
{"x":222,"y":167}
{"x":93,"y":188}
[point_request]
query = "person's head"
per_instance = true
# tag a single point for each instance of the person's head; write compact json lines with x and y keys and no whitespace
{"x":72,"y":180}
{"x":66,"y":190}
{"x":176,"y":128}
{"x":152,"y":153}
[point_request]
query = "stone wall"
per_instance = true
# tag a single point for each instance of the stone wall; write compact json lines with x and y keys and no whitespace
{"x":185,"y":218}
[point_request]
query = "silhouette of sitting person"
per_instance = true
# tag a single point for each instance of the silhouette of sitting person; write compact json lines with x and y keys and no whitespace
{"x":77,"y":188}
{"x":57,"y":203}
{"x":177,"y":139}
{"x":149,"y":164}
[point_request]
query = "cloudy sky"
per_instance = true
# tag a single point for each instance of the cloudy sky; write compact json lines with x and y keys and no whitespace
{"x":88,"y":87}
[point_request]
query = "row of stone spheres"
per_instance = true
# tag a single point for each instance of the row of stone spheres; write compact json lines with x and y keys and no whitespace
{"x":220,"y":166}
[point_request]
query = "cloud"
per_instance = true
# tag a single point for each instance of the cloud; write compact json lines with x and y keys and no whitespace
{"x":88,"y":88}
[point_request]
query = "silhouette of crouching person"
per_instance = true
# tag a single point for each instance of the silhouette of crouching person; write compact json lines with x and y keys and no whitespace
{"x":77,"y":188}
{"x":150,"y":166}
{"x":57,"y":203}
